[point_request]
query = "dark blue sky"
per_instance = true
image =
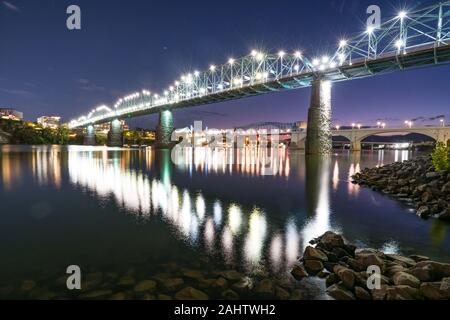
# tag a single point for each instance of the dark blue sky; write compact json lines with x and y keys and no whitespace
{"x":125,"y":46}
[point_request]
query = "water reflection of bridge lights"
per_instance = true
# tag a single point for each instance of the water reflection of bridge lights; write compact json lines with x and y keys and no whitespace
{"x":249,"y":161}
{"x":192,"y":217}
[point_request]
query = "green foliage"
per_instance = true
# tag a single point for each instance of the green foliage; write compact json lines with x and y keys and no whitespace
{"x":31,"y":133}
{"x":440,"y":157}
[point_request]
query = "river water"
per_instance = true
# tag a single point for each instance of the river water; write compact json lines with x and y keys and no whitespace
{"x":145,"y":212}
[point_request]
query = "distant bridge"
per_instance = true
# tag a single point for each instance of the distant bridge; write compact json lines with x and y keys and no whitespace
{"x":356,"y":136}
{"x":409,"y":40}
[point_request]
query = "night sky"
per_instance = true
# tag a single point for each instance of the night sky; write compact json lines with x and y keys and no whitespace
{"x":126,"y":46}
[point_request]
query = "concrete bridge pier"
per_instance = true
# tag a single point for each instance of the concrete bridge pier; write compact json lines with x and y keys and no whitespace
{"x":164,"y":130}
{"x":115,"y":134}
{"x":89,"y":138}
{"x":356,"y":146}
{"x":318,"y":134}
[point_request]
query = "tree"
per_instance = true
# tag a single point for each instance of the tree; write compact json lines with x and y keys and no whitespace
{"x":440,"y":157}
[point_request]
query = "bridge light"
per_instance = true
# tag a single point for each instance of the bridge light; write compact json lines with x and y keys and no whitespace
{"x":281,"y":54}
{"x":212,"y":68}
{"x":402,"y":14}
{"x":316,"y":62}
{"x":254,"y":53}
{"x":177,"y":83}
{"x":171,"y":88}
{"x":333,"y":65}
{"x":399,"y":43}
{"x":298,"y":54}
{"x":370,"y":29}
{"x":296,"y":67}
{"x":231,"y":61}
{"x":325,"y":59}
{"x":342,"y":43}
{"x":196,"y":73}
{"x":359,"y":126}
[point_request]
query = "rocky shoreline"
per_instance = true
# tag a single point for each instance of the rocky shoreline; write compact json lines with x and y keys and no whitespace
{"x":414,"y":183}
{"x":402,"y":278}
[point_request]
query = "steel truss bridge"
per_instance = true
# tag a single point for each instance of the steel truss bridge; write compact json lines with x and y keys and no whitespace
{"x":409,"y":40}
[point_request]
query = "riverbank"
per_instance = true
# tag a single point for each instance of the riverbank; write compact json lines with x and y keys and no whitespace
{"x":413,"y":182}
{"x":402,"y":278}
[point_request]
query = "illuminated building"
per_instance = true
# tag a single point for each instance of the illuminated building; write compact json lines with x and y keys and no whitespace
{"x":49,"y":121}
{"x":11,"y":114}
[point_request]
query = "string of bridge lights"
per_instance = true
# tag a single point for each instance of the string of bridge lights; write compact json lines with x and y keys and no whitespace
{"x":259,"y":66}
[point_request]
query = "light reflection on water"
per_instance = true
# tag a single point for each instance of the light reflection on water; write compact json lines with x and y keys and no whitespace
{"x":222,"y":202}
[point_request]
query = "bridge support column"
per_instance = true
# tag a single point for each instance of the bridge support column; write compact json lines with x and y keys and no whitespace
{"x":89,"y":138}
{"x":297,"y":141}
{"x":318,"y":134}
{"x":115,"y":134}
{"x":164,"y":130}
{"x":356,"y":146}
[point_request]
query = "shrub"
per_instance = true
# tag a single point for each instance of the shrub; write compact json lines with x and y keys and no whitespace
{"x":440,"y":157}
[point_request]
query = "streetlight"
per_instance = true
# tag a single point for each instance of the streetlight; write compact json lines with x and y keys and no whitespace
{"x":383,"y":125}
{"x":378,"y":124}
{"x":442,"y":122}
{"x":338,"y":127}
{"x":353,"y":125}
{"x":408,"y":123}
{"x":359,"y":126}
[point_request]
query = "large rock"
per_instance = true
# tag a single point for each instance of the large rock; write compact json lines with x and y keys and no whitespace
{"x":299,"y":272}
{"x":220,"y":283}
{"x":314,"y":254}
{"x":281,"y":293}
{"x":232,"y":275}
{"x":339,"y":292}
{"x":172,"y":284}
{"x":370,"y":259}
{"x":313,"y":266}
{"x":346,"y":275}
{"x":230,"y":295}
{"x":331,"y":240}
{"x":380,"y":294}
{"x":431,"y":270}
{"x":362,"y":294}
{"x":190,"y":293}
{"x":403,"y":278}
{"x":144,"y":286}
{"x":265,"y":288}
{"x":404,"y":261}
{"x":402,"y":292}
{"x":432,"y":291}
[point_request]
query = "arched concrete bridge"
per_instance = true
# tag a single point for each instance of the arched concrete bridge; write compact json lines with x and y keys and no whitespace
{"x":356,"y":136}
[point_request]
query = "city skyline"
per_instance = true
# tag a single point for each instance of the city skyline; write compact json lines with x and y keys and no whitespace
{"x":59,"y":82}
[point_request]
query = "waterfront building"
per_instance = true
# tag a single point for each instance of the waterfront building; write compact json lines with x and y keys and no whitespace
{"x":11,"y":114}
{"x":49,"y":121}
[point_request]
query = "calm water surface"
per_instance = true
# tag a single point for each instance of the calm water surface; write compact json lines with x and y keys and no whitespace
{"x":116,"y":210}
